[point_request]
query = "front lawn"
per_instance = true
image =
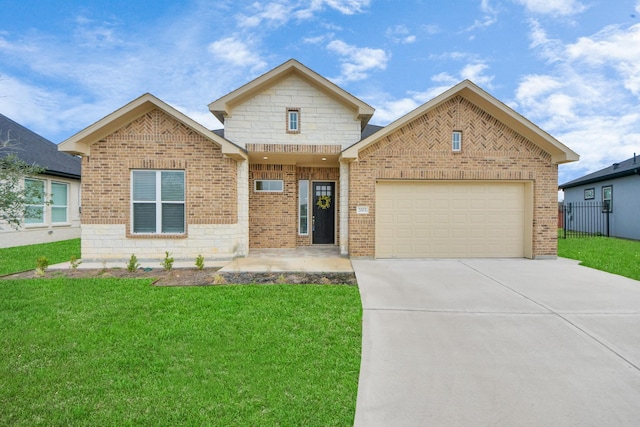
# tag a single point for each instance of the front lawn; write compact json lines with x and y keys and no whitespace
{"x":609,"y":254}
{"x":90,"y":352}
{"x":23,"y":258}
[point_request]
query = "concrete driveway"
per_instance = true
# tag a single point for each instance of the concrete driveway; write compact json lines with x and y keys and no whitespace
{"x":497,"y":343}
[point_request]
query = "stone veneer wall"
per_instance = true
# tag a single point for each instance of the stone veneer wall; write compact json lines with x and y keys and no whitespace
{"x":421,"y":150}
{"x":262,"y":119}
{"x":273,"y":216}
{"x":157,"y":141}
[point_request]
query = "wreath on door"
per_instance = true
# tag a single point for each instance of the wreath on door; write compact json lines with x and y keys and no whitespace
{"x":323,"y":202}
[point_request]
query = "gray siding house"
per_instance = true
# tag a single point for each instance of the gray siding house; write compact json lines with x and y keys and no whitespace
{"x":57,"y":218}
{"x":616,"y":187}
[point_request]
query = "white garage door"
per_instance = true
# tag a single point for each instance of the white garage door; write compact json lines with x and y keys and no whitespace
{"x":418,"y":219}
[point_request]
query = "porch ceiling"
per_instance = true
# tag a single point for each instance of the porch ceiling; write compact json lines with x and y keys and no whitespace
{"x":316,"y":155}
{"x":299,"y":159}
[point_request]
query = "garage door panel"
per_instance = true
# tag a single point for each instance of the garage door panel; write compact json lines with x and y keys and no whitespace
{"x":449,"y":219}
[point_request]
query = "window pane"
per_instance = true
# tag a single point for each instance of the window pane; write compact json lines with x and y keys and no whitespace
{"x":35,"y":191}
{"x":59,"y":194}
{"x":304,"y":206}
{"x":144,"y":218}
{"x":34,"y":215}
{"x":172,"y":218}
{"x":58,"y":214}
{"x":172,"y":186}
{"x":144,"y":185}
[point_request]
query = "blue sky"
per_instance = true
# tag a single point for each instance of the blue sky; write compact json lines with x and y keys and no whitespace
{"x":570,"y":66}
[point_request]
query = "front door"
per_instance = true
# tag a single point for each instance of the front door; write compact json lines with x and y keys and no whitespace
{"x":324,"y":208}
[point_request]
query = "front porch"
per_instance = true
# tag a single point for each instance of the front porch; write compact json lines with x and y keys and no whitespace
{"x":317,"y":258}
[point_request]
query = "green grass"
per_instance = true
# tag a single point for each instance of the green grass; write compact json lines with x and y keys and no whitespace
{"x":90,"y":352}
{"x":609,"y":254}
{"x":23,"y":258}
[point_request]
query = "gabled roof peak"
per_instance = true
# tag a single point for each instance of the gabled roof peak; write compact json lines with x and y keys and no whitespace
{"x":80,"y":143}
{"x":559,"y":152}
{"x":223,"y":106}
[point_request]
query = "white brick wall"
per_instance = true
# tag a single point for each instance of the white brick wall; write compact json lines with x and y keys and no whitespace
{"x":242,"y":237}
{"x":108,"y":242}
{"x":262,"y":119}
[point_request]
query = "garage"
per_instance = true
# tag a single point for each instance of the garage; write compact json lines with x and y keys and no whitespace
{"x":453,"y":219}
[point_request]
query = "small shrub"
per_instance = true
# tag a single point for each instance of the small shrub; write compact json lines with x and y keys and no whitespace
{"x":167,"y":262}
{"x":74,"y":262}
{"x":219,"y":280}
{"x":281,"y":279}
{"x":42,"y":263}
{"x":200,"y":262}
{"x":133,"y":264}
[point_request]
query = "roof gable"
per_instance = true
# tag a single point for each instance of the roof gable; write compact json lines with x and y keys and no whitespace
{"x":474,"y":94}
{"x":617,"y":170}
{"x":222,"y":107}
{"x":80,"y":143}
{"x":33,"y":148}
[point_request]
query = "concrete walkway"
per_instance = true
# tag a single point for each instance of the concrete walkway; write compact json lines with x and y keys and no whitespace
{"x":497,"y":342}
{"x":308,"y":259}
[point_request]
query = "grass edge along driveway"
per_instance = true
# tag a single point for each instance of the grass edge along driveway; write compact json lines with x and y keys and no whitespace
{"x":617,"y":256}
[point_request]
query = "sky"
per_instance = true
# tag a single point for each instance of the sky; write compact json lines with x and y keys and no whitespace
{"x":572,"y":67}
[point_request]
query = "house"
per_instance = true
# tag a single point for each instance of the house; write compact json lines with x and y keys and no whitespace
{"x":617,"y":186}
{"x":59,"y":183}
{"x":298,"y":164}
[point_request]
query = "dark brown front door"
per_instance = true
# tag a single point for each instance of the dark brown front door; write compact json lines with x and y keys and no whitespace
{"x":324,"y":208}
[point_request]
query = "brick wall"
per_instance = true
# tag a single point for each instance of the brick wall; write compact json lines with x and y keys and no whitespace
{"x":273,"y":216}
{"x":421,"y":150}
{"x":157,"y":141}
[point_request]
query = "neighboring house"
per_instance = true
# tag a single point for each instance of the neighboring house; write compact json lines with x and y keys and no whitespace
{"x":297,"y":164}
{"x":59,"y":219}
{"x":619,"y":187}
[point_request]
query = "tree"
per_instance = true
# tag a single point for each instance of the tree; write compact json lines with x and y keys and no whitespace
{"x":14,"y":194}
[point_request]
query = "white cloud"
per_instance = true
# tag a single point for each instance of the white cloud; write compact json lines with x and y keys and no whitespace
{"x":400,"y":34}
{"x":236,"y":52}
{"x":611,"y":47}
{"x":357,"y":62}
{"x":591,"y":99}
{"x":274,"y":14}
{"x":489,"y":18}
{"x":475,"y":73}
{"x":550,"y":49}
{"x":638,"y":6}
{"x":347,"y":7}
{"x":553,"y":7}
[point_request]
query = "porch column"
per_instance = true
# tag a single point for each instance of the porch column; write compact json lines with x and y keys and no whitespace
{"x":344,"y":208}
{"x":243,"y":208}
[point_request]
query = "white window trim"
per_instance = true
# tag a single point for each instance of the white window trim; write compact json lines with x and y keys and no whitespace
{"x":255,"y":186}
{"x":158,"y":203}
{"x":44,"y":204}
{"x":66,"y":206}
{"x":456,"y":141}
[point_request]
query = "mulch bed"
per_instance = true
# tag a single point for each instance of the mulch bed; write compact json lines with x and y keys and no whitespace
{"x":195,"y":277}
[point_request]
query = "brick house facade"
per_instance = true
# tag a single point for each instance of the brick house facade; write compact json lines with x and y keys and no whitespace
{"x":297,"y":164}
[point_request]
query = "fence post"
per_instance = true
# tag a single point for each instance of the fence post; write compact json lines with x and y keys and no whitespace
{"x":564,"y":221}
{"x":606,"y":206}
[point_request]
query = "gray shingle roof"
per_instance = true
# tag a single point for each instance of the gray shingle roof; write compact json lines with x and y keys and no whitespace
{"x":33,"y":148}
{"x":617,"y":170}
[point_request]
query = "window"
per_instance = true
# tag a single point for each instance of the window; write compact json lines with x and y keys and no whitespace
{"x":589,"y":193}
{"x":456,"y":140}
{"x":158,"y":201}
{"x":59,"y":202}
{"x":34,"y":213}
{"x":293,"y":120}
{"x":269,"y":185}
{"x":303,"y":206}
{"x":607,"y":198}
